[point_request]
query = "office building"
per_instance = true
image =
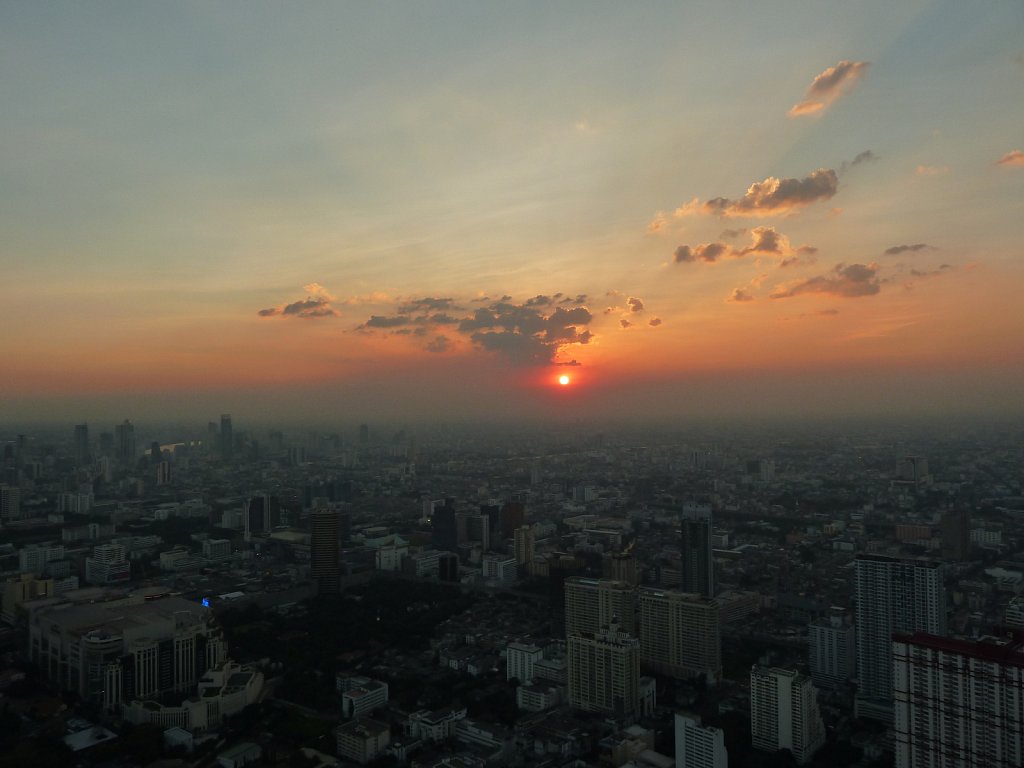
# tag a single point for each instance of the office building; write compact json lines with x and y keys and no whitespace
{"x":523,"y":544}
{"x":261,"y":514}
{"x":784,"y":713}
{"x":124,"y":444}
{"x":107,"y":565}
{"x":958,"y":703}
{"x":513,"y":516}
{"x":10,"y":504}
{"x":680,"y":635}
{"x":620,"y":566}
{"x":324,"y":551}
{"x":893,"y":595}
{"x":697,"y":566}
{"x":443,"y":526}
{"x":226,"y":438}
{"x":699,"y":746}
{"x":956,"y":534}
{"x":361,"y":695}
{"x":832,"y":649}
{"x":592,"y":604}
{"x":604,"y":672}
{"x":82,"y":450}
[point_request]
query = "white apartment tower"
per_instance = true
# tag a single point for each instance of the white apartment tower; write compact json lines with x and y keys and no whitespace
{"x":784,"y":713}
{"x":699,"y":746}
{"x":893,"y":595}
{"x":958,"y":703}
{"x":519,"y":661}
{"x":831,"y":649}
{"x":680,"y":635}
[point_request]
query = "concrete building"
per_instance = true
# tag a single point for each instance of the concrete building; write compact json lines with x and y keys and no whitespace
{"x":10,"y":504}
{"x":107,"y":565}
{"x":361,"y":695}
{"x":832,"y":649}
{"x":362,"y":740}
{"x":699,"y":746}
{"x":523,"y":542}
{"x":697,"y":566}
{"x":893,"y":595}
{"x":324,"y":551}
{"x":784,"y":713}
{"x":23,"y":589}
{"x":604,"y":672}
{"x":591,"y":604}
{"x":958,"y":703}
{"x":109,"y":654}
{"x":520,"y":659}
{"x":500,"y":569}
{"x":680,"y":635}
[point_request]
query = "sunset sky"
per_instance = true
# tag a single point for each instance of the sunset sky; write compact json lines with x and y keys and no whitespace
{"x":392,"y":210}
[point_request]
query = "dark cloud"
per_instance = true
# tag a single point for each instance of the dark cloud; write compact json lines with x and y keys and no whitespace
{"x":444,"y":319}
{"x":571,"y":363}
{"x":931,"y":273}
{"x":764,"y":241}
{"x":439,"y":344}
{"x":739,"y":295}
{"x":427,"y":303}
{"x":846,"y":281}
{"x":897,"y":249}
{"x":624,"y":323}
{"x":380,"y":321}
{"x":635,"y":304}
{"x":654,"y":322}
{"x":828,"y":86}
{"x":732,"y":234}
{"x":774,"y":196}
{"x":867,"y":156}
{"x":316,"y":304}
{"x":708,"y":252}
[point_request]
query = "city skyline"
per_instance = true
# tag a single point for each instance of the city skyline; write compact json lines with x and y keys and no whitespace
{"x":436,"y":211}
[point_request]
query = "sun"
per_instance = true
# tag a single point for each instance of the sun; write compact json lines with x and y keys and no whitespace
{"x":564,"y":380}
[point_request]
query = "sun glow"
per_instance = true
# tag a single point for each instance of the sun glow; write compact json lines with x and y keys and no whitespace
{"x":564,"y":380}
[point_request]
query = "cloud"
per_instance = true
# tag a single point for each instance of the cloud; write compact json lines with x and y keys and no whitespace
{"x":1012,"y":158}
{"x":740,"y":295}
{"x":931,"y":170}
{"x":732,"y":234}
{"x":764,"y":241}
{"x":897,"y":249}
{"x":635,"y":304}
{"x":828,"y":86}
{"x":867,"y":156}
{"x":624,"y":323}
{"x":776,"y":196}
{"x":654,"y":322}
{"x":439,"y":344}
{"x":380,"y":321}
{"x":427,"y":303}
{"x":843,"y":281}
{"x":316,"y":304}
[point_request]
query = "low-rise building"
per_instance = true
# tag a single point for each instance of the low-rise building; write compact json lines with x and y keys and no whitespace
{"x":361,"y":740}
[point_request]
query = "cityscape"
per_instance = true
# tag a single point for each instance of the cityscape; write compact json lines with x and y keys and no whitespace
{"x":548,"y":385}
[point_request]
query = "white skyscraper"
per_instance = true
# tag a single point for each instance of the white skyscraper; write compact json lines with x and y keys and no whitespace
{"x":958,"y":703}
{"x":699,"y":746}
{"x":893,"y":595}
{"x":784,"y":713}
{"x":519,"y":661}
{"x":831,"y":649}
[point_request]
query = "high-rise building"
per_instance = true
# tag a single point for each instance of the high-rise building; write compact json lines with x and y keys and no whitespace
{"x":124,"y":443}
{"x":958,"y":703}
{"x":260,"y":514}
{"x":593,"y":604}
{"x":699,"y":746}
{"x":784,"y":713}
{"x":10,"y":503}
{"x":83,"y":454}
{"x":519,"y":661}
{"x":698,"y":568}
{"x":513,"y":515}
{"x":620,"y":566}
{"x":680,"y":635}
{"x":522,"y":544}
{"x":893,"y":595}
{"x":604,"y":672}
{"x":226,"y":437}
{"x":443,"y":526}
{"x":831,"y":649}
{"x":956,"y":534}
{"x":324,"y":552}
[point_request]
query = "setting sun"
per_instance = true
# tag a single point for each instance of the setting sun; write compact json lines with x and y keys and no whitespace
{"x":564,"y":380}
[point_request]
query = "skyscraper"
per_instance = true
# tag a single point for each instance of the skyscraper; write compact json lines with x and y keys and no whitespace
{"x":324,"y":551}
{"x":124,"y":443}
{"x":958,"y":703}
{"x":522,"y":544}
{"x":699,"y":746}
{"x":698,"y":574}
{"x":604,"y":672}
{"x":893,"y":595}
{"x":83,"y":454}
{"x":831,"y":649}
{"x":956,"y":534}
{"x":784,"y":713}
{"x":227,"y":437}
{"x":679,"y":634}
{"x":443,"y":528}
{"x":593,"y":604}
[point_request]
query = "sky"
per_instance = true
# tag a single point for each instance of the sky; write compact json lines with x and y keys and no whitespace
{"x":398,"y":210}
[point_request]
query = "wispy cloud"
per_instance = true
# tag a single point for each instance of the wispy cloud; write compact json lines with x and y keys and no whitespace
{"x":829,"y":86}
{"x":843,"y":281}
{"x":897,"y":249}
{"x":1012,"y":158}
{"x":316,"y":304}
{"x":931,"y":170}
